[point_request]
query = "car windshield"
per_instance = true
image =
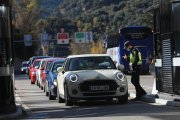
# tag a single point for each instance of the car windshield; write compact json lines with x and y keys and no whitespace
{"x":91,"y":63}
{"x":48,"y":66}
{"x":24,"y":64}
{"x":36,"y":63}
{"x":56,"y":66}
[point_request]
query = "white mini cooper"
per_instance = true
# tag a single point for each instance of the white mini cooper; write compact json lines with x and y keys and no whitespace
{"x":90,"y":76}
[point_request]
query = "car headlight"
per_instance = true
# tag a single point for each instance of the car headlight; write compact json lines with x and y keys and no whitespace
{"x":33,"y":73}
{"x":73,"y":78}
{"x":55,"y":82}
{"x":120,"y":76}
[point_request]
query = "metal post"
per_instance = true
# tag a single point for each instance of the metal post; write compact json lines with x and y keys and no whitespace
{"x":7,"y":100}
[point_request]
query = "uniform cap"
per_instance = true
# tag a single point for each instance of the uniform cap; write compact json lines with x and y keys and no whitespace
{"x":126,"y":44}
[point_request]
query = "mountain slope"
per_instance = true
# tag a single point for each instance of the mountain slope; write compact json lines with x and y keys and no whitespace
{"x":114,"y":13}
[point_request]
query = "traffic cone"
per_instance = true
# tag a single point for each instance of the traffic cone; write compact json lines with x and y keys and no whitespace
{"x":154,"y":91}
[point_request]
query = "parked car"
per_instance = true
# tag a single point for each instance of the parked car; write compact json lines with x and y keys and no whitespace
{"x":51,"y":78}
{"x":91,"y":76}
{"x":31,"y":60}
{"x":24,"y":67}
{"x":41,"y":71}
{"x":32,"y":71}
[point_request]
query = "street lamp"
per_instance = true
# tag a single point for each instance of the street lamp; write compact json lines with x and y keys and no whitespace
{"x":7,"y":100}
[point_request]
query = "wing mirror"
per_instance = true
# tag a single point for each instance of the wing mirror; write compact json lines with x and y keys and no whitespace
{"x":120,"y":67}
{"x":46,"y":72}
{"x":60,"y":69}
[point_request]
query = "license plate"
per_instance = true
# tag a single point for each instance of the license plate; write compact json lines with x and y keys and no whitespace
{"x":101,"y":87}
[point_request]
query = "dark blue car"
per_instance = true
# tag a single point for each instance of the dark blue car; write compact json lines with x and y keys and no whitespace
{"x":51,"y":79}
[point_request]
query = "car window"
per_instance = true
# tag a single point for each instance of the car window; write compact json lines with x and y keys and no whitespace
{"x":39,"y":65}
{"x":24,"y":64}
{"x":43,"y":64}
{"x":30,"y":61}
{"x":56,"y":66}
{"x":91,"y":63}
{"x":36,"y":63}
{"x":48,"y":66}
{"x":66,"y":65}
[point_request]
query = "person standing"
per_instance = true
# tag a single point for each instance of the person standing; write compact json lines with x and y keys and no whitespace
{"x":135,"y":61}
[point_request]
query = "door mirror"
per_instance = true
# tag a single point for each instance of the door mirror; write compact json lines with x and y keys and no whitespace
{"x":45,"y":72}
{"x":120,"y":67}
{"x":59,"y":69}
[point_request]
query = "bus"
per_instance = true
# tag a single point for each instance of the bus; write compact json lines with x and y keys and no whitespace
{"x":142,"y":38}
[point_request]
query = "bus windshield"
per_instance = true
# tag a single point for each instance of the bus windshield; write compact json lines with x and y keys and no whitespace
{"x":136,"y":33}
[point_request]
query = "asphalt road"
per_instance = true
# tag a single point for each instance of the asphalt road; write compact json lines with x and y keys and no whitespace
{"x":38,"y":107}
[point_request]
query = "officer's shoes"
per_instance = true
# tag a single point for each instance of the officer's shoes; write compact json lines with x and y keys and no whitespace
{"x":136,"y":99}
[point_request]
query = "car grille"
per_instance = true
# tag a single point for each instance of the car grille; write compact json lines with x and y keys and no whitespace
{"x":99,"y":93}
{"x":85,"y":86}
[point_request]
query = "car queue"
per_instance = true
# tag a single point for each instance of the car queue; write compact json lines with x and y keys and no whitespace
{"x":79,"y":77}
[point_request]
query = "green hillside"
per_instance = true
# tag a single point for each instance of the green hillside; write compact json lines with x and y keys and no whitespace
{"x":48,"y":6}
{"x":111,"y":13}
{"x":99,"y":16}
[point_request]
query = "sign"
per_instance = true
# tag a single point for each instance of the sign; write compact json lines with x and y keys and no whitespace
{"x":45,"y":39}
{"x":80,"y":37}
{"x":89,"y":37}
{"x":63,"y":38}
{"x":28,"y":40}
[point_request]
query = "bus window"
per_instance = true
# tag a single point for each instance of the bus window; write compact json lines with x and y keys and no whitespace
{"x":134,"y":33}
{"x":176,"y":27}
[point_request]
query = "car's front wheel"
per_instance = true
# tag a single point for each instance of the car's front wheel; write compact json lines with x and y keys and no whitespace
{"x":46,"y":89}
{"x":51,"y":97}
{"x":68,"y":100}
{"x":123,"y":99}
{"x":32,"y":82}
{"x":36,"y":82}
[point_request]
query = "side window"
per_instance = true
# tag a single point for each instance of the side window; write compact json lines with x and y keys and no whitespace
{"x":176,"y":28}
{"x":48,"y":66}
{"x":43,"y":64}
{"x":39,"y":65}
{"x":65,"y":65}
{"x":157,"y":39}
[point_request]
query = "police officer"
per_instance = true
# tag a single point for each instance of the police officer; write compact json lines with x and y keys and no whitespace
{"x":135,"y":61}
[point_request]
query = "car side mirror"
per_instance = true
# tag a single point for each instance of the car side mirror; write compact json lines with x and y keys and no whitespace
{"x":45,"y":72}
{"x":120,"y":67}
{"x":115,"y":62}
{"x":59,"y":69}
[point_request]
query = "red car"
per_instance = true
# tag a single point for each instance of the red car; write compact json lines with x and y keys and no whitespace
{"x":32,"y":70}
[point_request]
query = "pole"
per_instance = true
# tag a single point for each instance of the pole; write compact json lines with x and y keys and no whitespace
{"x":7,"y":99}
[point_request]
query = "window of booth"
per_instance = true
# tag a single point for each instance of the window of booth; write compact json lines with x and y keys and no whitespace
{"x":176,"y":27}
{"x":157,"y":39}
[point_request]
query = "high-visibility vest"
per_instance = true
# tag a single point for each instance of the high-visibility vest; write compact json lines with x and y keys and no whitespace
{"x":135,"y":57}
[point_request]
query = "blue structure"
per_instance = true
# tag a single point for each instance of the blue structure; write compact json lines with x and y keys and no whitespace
{"x":142,"y":38}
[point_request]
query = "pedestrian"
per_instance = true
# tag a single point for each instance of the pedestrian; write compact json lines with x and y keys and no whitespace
{"x":135,"y":61}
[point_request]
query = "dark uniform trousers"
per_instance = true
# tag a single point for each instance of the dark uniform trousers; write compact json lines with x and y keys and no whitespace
{"x":135,"y":81}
